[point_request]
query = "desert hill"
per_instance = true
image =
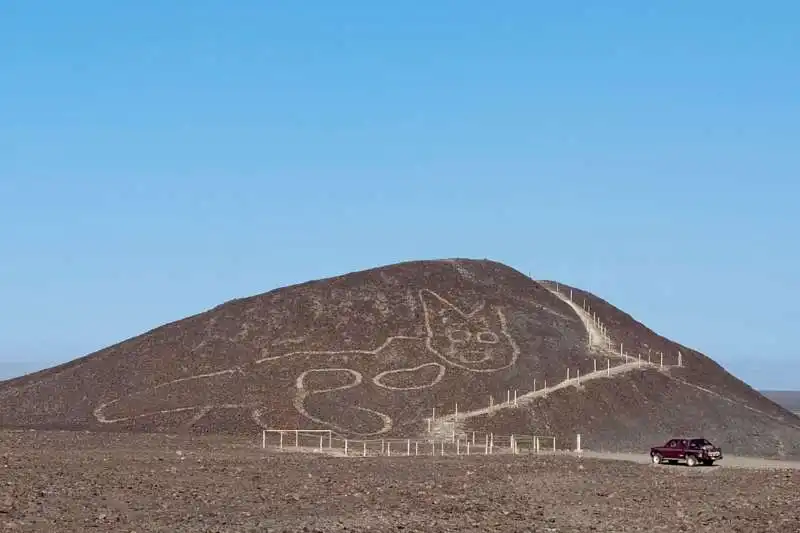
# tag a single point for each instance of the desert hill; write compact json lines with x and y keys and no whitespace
{"x":373,"y":353}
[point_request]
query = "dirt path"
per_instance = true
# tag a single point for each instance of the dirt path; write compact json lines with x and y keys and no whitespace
{"x":598,"y":343}
{"x":728,"y":461}
{"x":444,"y":425}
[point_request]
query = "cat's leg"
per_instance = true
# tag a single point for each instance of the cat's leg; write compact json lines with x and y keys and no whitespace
{"x":403,"y":384}
{"x":330,"y":397}
{"x":416,"y":378}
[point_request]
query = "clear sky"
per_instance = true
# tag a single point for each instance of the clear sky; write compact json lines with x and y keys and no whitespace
{"x":158,"y":158}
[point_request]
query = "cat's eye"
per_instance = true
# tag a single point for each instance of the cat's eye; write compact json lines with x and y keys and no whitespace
{"x":458,"y":335}
{"x":488,"y":337}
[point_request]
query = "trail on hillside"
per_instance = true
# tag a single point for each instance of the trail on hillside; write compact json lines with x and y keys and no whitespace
{"x":598,"y":342}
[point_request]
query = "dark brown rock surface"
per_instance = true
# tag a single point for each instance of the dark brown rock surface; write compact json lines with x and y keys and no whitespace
{"x":372,"y":353}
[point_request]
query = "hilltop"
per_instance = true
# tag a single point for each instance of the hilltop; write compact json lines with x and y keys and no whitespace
{"x":374,"y":353}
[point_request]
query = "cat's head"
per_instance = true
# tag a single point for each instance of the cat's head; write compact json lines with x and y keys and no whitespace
{"x":478,"y":341}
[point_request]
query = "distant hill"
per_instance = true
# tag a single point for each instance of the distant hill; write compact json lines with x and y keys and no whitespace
{"x":13,"y":369}
{"x":373,"y":353}
{"x":788,"y":399}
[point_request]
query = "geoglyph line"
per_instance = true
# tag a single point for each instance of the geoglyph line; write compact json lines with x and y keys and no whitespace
{"x":378,"y":379}
{"x":476,"y":341}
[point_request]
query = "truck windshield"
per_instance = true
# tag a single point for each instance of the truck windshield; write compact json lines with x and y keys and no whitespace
{"x":700,"y":442}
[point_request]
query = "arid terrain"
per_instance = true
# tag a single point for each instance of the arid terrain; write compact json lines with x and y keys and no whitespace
{"x":377,"y":353}
{"x":113,"y":482}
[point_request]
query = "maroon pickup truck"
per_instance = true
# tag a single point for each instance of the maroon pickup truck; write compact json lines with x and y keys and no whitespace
{"x":692,"y":451}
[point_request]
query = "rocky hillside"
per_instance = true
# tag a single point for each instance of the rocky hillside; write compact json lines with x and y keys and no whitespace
{"x":374,"y":353}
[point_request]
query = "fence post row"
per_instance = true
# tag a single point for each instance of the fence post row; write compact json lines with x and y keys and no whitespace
{"x":346,"y":446}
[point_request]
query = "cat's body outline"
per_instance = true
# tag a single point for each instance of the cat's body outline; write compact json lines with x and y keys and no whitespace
{"x":442,"y":341}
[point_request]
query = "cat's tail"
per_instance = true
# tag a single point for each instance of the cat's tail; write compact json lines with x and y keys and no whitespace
{"x":188,"y":398}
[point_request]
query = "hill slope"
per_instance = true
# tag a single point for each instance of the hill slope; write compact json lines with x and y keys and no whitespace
{"x":372,"y":353}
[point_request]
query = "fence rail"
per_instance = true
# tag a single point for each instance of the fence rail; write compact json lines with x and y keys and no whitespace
{"x":469,"y":444}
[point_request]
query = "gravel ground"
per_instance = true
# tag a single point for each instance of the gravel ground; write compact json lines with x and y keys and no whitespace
{"x":76,"y":481}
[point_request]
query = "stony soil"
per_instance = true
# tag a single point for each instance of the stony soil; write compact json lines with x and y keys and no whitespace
{"x":76,"y":481}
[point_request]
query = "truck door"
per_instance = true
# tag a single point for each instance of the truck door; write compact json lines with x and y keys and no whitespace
{"x":671,"y":450}
{"x":682,"y":445}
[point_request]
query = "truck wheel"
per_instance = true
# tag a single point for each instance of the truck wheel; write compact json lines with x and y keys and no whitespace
{"x":691,"y":460}
{"x":657,"y":458}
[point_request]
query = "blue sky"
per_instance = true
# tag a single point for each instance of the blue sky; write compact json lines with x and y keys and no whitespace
{"x":158,"y":158}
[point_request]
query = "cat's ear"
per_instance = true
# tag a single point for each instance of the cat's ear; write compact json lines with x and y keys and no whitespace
{"x":437,"y":308}
{"x":441,"y":313}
